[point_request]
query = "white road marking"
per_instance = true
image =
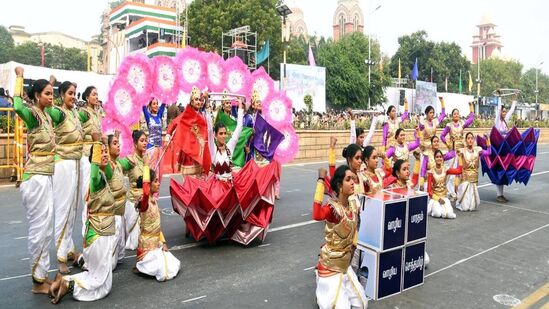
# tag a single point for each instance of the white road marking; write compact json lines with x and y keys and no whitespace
{"x":22,"y":237}
{"x":263,"y":245}
{"x":25,"y":259}
{"x":193,"y":299}
{"x":309,"y":268}
{"x":291,"y":226}
{"x":516,"y":207}
{"x":164,"y":197}
{"x":294,"y":190}
{"x":487,"y":250}
{"x":506,"y":300}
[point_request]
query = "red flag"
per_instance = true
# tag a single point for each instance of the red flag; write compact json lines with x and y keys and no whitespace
{"x":191,"y":137}
{"x":42,"y":55}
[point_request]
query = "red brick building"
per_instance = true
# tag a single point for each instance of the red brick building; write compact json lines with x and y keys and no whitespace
{"x":487,"y":42}
{"x":348,"y":18}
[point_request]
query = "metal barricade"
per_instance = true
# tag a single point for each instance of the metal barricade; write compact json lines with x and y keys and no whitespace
{"x":14,"y":145}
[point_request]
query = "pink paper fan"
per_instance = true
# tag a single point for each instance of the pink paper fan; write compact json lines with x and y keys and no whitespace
{"x":136,"y":70}
{"x":109,"y":125}
{"x":237,"y":74}
{"x":121,"y":105}
{"x":215,"y":73}
{"x":166,"y":79}
{"x":288,"y":148}
{"x":260,"y":81}
{"x":191,"y":68}
{"x":277,"y":109}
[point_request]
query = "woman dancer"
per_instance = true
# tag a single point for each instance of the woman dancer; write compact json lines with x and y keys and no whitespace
{"x":90,"y":117}
{"x":467,"y":195}
{"x":37,"y":186}
{"x":99,"y":243}
{"x":132,"y":165}
{"x":502,"y":117}
{"x":428,"y":127}
{"x":222,"y":159}
{"x":374,"y":178}
{"x":153,"y":257}
{"x":67,"y":181}
{"x":401,"y":149}
{"x":153,"y":117}
{"x":392,"y":124}
{"x":456,"y":141}
{"x":439,"y":206}
{"x":357,"y":134}
{"x":429,"y":158}
{"x":336,"y":283}
{"x":118,"y":189}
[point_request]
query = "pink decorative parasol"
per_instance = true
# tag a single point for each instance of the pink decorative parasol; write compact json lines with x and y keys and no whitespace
{"x":288,"y":148}
{"x":277,"y":109}
{"x":215,"y":74}
{"x":237,"y":73}
{"x":166,"y":79}
{"x":261,"y":82}
{"x":136,"y":71}
{"x":109,"y":126}
{"x":192,"y":69}
{"x":121,"y":105}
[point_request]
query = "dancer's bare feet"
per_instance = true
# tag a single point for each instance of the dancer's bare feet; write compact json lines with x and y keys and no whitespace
{"x":61,"y":291}
{"x":40,"y":288}
{"x":55,"y":285}
{"x":64,"y":269}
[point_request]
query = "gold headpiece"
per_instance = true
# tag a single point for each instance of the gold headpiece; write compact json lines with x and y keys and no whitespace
{"x":225,"y":97}
{"x":195,"y":93}
{"x":255,"y":96}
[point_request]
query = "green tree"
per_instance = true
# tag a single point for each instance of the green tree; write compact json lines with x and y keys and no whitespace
{"x":496,"y":73}
{"x":208,"y":19}
{"x":6,"y":45}
{"x":27,"y":53}
{"x":55,"y":56}
{"x":445,"y":59}
{"x":347,"y":73}
{"x":297,"y":52}
{"x":528,"y":87}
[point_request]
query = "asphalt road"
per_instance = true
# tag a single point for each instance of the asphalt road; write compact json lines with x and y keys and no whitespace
{"x":498,"y":250}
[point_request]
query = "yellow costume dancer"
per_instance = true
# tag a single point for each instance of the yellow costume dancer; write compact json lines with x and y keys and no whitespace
{"x":37,"y":186}
{"x":67,"y":179}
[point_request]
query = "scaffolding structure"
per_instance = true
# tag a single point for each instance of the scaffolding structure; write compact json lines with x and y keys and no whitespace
{"x":240,"y":42}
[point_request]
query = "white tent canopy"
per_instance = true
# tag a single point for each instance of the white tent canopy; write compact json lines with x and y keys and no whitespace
{"x":82,"y":79}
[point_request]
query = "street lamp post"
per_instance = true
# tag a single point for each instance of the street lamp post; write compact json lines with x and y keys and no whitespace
{"x":369,"y":61}
{"x":283,"y":10}
{"x":537,"y":89}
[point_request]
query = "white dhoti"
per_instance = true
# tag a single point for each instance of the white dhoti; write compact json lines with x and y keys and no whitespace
{"x":37,"y":198}
{"x":340,"y":291}
{"x":439,"y":210}
{"x":120,"y":243}
{"x":85,"y":168}
{"x":450,"y":184}
{"x":468,"y":197}
{"x":96,"y":282}
{"x":66,"y":198}
{"x":131,"y":217}
{"x":160,"y":264}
